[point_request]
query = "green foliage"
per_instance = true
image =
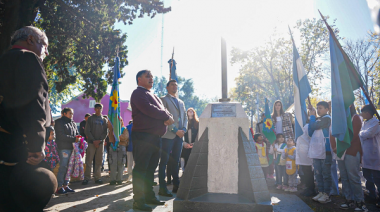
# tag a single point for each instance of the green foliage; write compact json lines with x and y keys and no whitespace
{"x":185,"y":91}
{"x":81,"y":36}
{"x":267,"y":71}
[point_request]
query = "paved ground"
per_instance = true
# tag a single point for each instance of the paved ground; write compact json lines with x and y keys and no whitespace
{"x":118,"y":198}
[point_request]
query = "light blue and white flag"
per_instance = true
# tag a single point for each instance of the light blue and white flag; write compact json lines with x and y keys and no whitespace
{"x":301,"y":90}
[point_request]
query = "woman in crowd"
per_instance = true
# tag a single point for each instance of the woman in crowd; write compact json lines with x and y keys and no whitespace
{"x":191,"y":134}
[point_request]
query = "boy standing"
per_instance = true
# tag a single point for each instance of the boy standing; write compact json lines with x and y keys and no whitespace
{"x":370,"y":140}
{"x":319,"y":130}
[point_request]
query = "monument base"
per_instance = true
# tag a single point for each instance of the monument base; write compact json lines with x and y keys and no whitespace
{"x":220,"y":202}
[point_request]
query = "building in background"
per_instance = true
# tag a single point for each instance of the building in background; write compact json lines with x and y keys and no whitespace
{"x":82,"y":106}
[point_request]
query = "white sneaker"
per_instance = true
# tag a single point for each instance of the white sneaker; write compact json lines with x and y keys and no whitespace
{"x":325,"y":198}
{"x":360,"y":207}
{"x":317,"y":197}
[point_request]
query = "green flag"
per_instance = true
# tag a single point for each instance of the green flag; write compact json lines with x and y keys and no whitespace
{"x":344,"y":80}
{"x":268,"y":128}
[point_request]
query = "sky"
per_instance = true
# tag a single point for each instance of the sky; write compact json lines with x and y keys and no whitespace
{"x":194,"y":29}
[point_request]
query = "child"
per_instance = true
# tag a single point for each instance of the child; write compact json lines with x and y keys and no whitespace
{"x":370,"y":140}
{"x":261,"y":149}
{"x":52,"y":158}
{"x":281,"y":177}
{"x":320,"y":150}
{"x":291,"y":169}
{"x":305,"y":162}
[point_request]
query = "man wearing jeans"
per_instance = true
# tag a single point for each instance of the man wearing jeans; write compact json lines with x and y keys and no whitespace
{"x":96,"y":131}
{"x":66,"y":130}
{"x":173,"y":139}
{"x":150,"y":119}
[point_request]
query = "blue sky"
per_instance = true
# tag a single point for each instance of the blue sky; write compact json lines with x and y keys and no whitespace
{"x":194,"y":29}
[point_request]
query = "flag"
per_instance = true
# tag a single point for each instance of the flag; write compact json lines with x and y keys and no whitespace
{"x":173,"y":68}
{"x":301,"y":91}
{"x":268,"y":128}
{"x":114,"y":105}
{"x":344,"y":80}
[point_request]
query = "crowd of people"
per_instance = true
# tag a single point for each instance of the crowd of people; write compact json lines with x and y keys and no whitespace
{"x":162,"y":132}
{"x":313,"y":156}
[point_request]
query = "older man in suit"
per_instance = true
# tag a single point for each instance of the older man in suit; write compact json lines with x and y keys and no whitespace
{"x":173,"y":138}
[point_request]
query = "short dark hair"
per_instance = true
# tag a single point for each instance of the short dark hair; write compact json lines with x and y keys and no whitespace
{"x":139,"y":74}
{"x":369,"y":109}
{"x":98,"y":105}
{"x":66,"y":109}
{"x":51,"y":128}
{"x":280,"y":135}
{"x":172,"y":80}
{"x":256,"y":136}
{"x":324,"y":104}
{"x":87,"y":115}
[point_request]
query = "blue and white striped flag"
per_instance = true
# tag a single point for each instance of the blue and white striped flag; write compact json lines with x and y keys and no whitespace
{"x":301,"y":90}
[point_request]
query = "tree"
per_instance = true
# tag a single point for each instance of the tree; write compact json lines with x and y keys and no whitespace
{"x":364,"y":54}
{"x":185,"y":91}
{"x":267,"y":71}
{"x":81,"y":36}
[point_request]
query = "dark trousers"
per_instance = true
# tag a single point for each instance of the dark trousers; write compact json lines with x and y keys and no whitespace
{"x":25,"y":187}
{"x":146,"y":153}
{"x":169,"y":168}
{"x":186,"y":154}
{"x":308,"y":177}
{"x":373,"y":178}
{"x":171,"y":147}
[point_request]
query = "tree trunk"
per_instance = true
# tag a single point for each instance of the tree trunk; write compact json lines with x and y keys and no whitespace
{"x":14,"y":15}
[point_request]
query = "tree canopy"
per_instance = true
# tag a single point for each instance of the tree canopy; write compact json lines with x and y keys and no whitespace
{"x":266,"y":71}
{"x":82,"y":37}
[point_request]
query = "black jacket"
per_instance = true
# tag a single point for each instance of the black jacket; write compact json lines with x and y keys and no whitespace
{"x":82,"y":126}
{"x":24,"y":105}
{"x":194,"y":133}
{"x":65,"y":130}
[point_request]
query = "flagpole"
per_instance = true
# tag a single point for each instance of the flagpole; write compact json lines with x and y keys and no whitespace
{"x":353,"y":71}
{"x":171,"y":66}
{"x":291,"y":36}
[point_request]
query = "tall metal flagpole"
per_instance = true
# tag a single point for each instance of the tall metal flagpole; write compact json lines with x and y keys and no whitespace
{"x":171,"y":65}
{"x":224,"y":73}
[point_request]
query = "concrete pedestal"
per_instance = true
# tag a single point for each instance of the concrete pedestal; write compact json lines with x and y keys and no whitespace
{"x":223,"y":172}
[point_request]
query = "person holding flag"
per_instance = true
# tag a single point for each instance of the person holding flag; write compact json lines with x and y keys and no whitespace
{"x":302,"y":90}
{"x":345,"y":79}
{"x":117,"y":152}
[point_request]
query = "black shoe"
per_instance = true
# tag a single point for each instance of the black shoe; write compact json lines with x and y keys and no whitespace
{"x":113,"y":182}
{"x":175,"y":189}
{"x":99,"y":181}
{"x":164,"y":192}
{"x":141,"y":206}
{"x":154,"y":201}
{"x":119,"y":182}
{"x":347,"y":204}
{"x":68,"y":189}
{"x":360,"y":207}
{"x":85,"y":182}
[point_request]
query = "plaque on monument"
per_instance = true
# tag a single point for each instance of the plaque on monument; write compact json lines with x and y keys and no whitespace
{"x":223,"y":110}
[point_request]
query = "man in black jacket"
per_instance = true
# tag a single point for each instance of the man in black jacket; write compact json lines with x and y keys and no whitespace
{"x":82,"y":125}
{"x":66,"y":130}
{"x":24,"y":116}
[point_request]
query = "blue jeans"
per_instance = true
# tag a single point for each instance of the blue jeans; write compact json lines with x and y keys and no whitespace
{"x":281,"y":176}
{"x":175,"y":147}
{"x":373,"y":178}
{"x":349,"y":174}
{"x":334,"y":181}
{"x":64,"y":157}
{"x":322,"y":172}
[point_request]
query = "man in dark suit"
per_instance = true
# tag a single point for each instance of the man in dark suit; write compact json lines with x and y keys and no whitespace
{"x":173,"y":139}
{"x":24,"y":114}
{"x":150,"y":121}
{"x":82,"y":125}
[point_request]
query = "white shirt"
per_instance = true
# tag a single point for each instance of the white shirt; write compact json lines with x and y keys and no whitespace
{"x":279,"y":124}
